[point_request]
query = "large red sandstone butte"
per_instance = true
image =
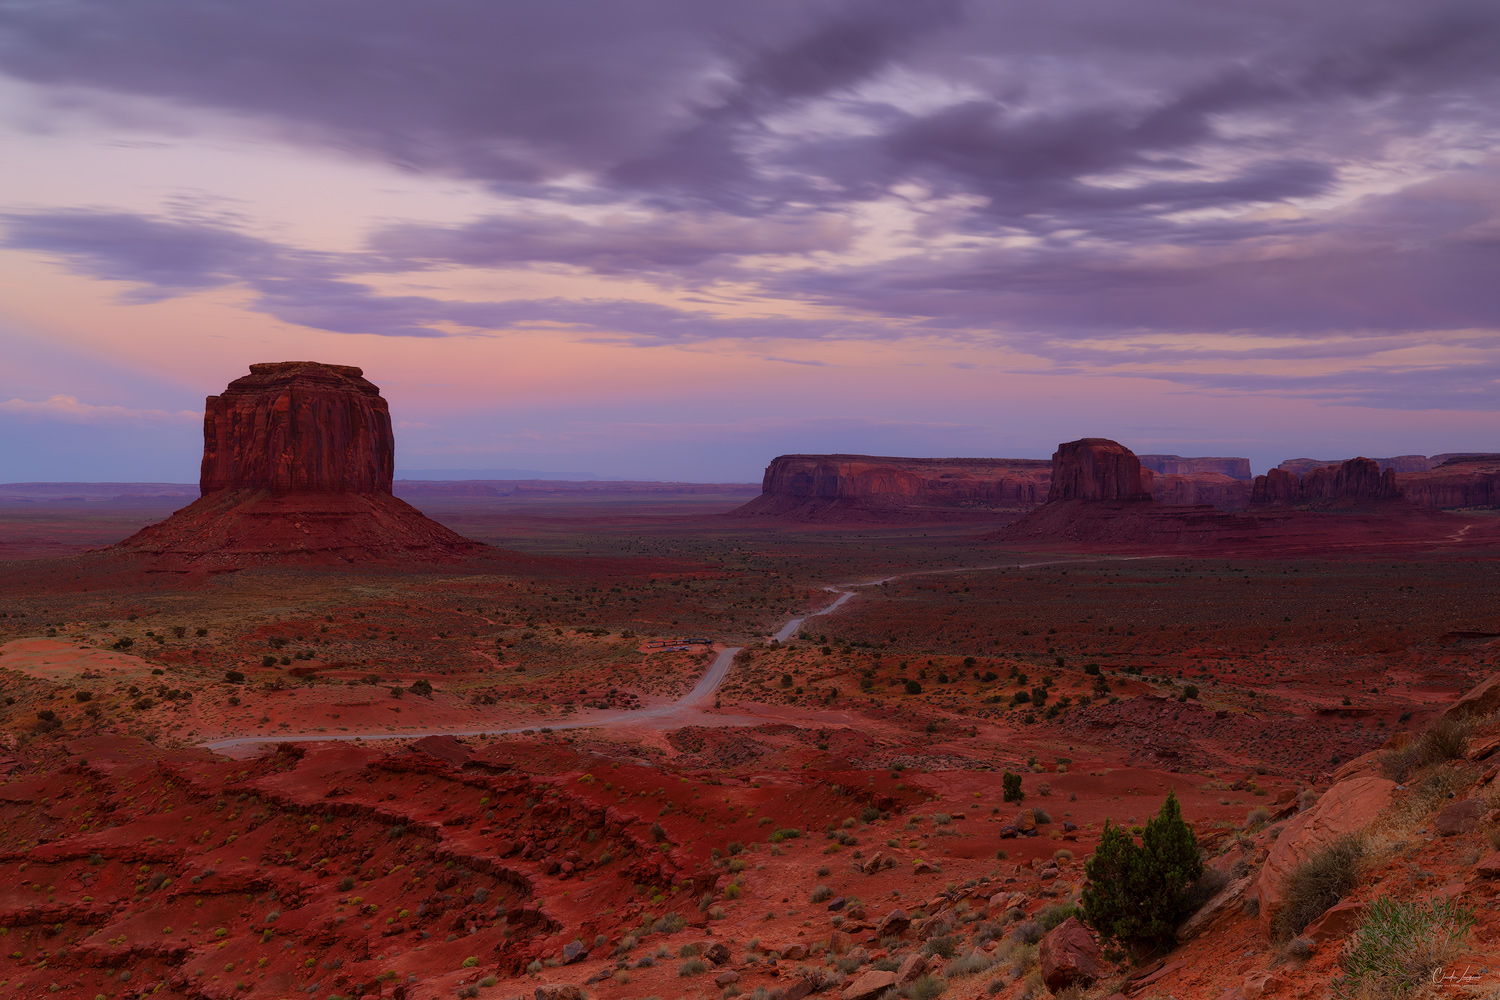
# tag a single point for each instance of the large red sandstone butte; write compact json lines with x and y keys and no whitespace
{"x":1097,"y":469}
{"x":297,"y":462}
{"x":298,"y":427}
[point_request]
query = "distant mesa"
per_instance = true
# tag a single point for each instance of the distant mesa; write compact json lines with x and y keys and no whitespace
{"x":854,"y":488}
{"x":1176,"y":465}
{"x":836,"y":488}
{"x":1356,"y":479}
{"x":297,"y":464}
{"x":1096,"y":501}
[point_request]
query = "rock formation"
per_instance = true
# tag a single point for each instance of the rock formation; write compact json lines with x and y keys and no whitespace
{"x":297,"y":462}
{"x":855,"y":487}
{"x":1461,"y":481}
{"x":1356,"y":479}
{"x":1096,"y":469}
{"x":1223,"y":492}
{"x":1176,"y":465}
{"x":298,"y":427}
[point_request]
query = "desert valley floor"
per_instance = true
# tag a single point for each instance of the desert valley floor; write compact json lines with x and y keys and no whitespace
{"x":833,"y":809}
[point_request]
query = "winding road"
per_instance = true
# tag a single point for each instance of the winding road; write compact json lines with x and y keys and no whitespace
{"x":675,"y":714}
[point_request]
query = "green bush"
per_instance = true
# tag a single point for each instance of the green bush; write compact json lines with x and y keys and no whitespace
{"x":1136,"y":892}
{"x":1399,"y":945}
{"x":1012,"y":783}
{"x":1317,"y":882}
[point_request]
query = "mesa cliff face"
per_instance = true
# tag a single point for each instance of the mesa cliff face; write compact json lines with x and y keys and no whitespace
{"x":298,"y":427}
{"x":1356,"y":479}
{"x":1097,"y":469}
{"x":1176,"y":465}
{"x":852,"y":487}
{"x":1457,"y":482}
{"x":297,"y":463}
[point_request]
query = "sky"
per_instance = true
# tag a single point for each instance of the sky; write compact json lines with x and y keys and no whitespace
{"x":669,"y":239}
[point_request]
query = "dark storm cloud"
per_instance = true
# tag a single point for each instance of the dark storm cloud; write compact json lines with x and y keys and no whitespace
{"x":167,"y":258}
{"x":1125,"y":142}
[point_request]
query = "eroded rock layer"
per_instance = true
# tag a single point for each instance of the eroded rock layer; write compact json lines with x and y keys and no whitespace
{"x":298,"y":426}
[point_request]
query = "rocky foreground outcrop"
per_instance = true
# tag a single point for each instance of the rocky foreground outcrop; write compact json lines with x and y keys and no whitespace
{"x":297,"y":463}
{"x":298,"y":426}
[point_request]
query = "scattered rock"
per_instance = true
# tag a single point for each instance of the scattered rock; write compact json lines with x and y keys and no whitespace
{"x":725,"y":978}
{"x":893,"y":924}
{"x":1337,"y":922}
{"x":1259,"y":984}
{"x":869,"y":986}
{"x":574,"y":951}
{"x":1069,"y":956}
{"x":1459,"y":817}
{"x":559,"y":991}
{"x":717,"y":953}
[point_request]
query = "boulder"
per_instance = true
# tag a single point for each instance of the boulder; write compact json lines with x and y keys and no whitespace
{"x":1259,"y":984}
{"x":1347,"y":807}
{"x":717,"y":953}
{"x":1459,"y":817}
{"x":725,"y":978}
{"x":1069,"y":956}
{"x":1481,"y":699}
{"x":1339,"y":921}
{"x":1025,"y":821}
{"x":574,"y":951}
{"x":795,"y":952}
{"x":893,"y":924}
{"x":869,"y":986}
{"x":1096,"y":469}
{"x":559,"y":991}
{"x":912,"y":969}
{"x":1224,"y":901}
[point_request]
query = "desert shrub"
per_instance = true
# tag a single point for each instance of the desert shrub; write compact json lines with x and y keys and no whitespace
{"x":692,"y":967}
{"x":1044,"y":789}
{"x":869,"y":814}
{"x":945,"y":945}
{"x":1317,"y":882}
{"x":346,"y":883}
{"x":1256,"y":817}
{"x":1027,"y":932}
{"x":1135,"y":893}
{"x":690,"y":950}
{"x":1204,"y":888}
{"x":886,"y":964}
{"x":421,"y":686}
{"x":1442,"y":741}
{"x":1054,"y":914}
{"x":669,"y":924}
{"x":1042,"y":815}
{"x":924,"y":988}
{"x":820,"y":894}
{"x":1399,"y":945}
{"x":658,"y":834}
{"x":1012,"y":785}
